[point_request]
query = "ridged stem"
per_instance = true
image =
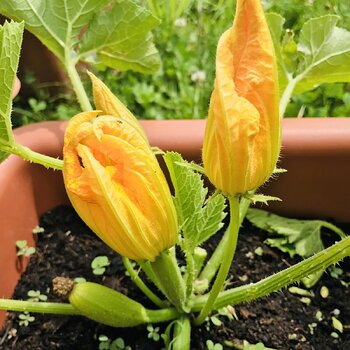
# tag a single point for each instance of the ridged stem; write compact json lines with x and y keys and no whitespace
{"x":169,"y":277}
{"x":276,"y":282}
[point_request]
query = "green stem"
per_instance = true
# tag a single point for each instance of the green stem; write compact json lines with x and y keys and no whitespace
{"x":215,"y":260}
{"x":77,"y":84}
{"x":168,"y":274}
{"x":147,"y":269}
{"x":35,"y":157}
{"x":190,"y":273}
{"x":276,"y":282}
{"x":334,"y":228}
{"x":182,"y":334}
{"x":287,"y":94}
{"x":226,"y":260}
{"x":162,"y":315}
{"x":40,"y":307}
{"x":142,"y":286}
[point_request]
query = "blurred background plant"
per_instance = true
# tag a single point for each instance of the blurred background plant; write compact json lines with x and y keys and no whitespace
{"x":180,"y":89}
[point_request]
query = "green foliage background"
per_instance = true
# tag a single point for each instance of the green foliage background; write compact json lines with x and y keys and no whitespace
{"x":187,"y":44}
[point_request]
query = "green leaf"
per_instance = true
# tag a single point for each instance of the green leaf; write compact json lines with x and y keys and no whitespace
{"x":302,"y":237}
{"x":56,"y":23}
{"x":120,"y":38}
{"x":326,"y":53}
{"x":292,"y":236}
{"x":198,"y":218}
{"x":321,"y":53}
{"x":115,"y":34}
{"x":10,"y":46}
{"x":210,"y":218}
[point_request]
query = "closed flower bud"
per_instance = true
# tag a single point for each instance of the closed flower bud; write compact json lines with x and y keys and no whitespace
{"x":116,"y":185}
{"x":243,"y":134}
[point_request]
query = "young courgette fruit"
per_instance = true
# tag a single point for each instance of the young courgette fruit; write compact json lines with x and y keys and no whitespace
{"x":107,"y":306}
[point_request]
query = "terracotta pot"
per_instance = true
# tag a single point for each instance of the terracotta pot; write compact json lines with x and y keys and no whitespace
{"x":316,"y":153}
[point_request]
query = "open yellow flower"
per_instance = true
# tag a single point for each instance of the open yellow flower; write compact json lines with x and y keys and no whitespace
{"x":243,"y":134}
{"x":117,"y":187}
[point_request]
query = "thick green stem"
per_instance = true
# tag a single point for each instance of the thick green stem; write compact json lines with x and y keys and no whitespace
{"x":168,"y":274}
{"x":31,"y":156}
{"x":78,"y":87}
{"x":162,"y":315}
{"x":215,"y":260}
{"x":142,"y":286}
{"x":274,"y":283}
{"x":182,"y":334}
{"x":227,"y":258}
{"x":39,"y":307}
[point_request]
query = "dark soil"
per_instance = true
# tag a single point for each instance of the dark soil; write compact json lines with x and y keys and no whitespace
{"x":281,"y":321}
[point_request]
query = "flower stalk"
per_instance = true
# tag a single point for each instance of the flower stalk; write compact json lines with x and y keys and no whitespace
{"x":227,"y":258}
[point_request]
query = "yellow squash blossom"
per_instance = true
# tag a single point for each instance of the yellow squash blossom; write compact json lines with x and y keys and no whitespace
{"x":116,"y":185}
{"x":243,"y":134}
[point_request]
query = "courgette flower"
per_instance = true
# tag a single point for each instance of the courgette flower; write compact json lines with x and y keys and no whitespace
{"x":115,"y":184}
{"x":243,"y":132}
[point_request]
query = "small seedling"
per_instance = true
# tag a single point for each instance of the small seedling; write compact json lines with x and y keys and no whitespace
{"x":99,"y":265}
{"x":25,"y":319}
{"x":259,"y":251}
{"x":335,"y":272}
{"x":119,"y":344}
{"x":104,"y":342}
{"x":37,"y":229}
{"x":35,"y":295}
{"x":153,"y":332}
{"x":212,"y":346}
{"x":107,"y":344}
{"x":319,"y":316}
{"x":23,"y":249}
{"x":312,"y":326}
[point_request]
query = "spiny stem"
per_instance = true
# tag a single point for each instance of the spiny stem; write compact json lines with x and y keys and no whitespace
{"x":142,"y":286}
{"x":226,"y":260}
{"x":39,"y":307}
{"x":274,"y":283}
{"x":35,"y":157}
{"x":168,"y":274}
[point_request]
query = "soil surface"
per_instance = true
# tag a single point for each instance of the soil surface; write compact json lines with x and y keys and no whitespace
{"x":280,"y":321}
